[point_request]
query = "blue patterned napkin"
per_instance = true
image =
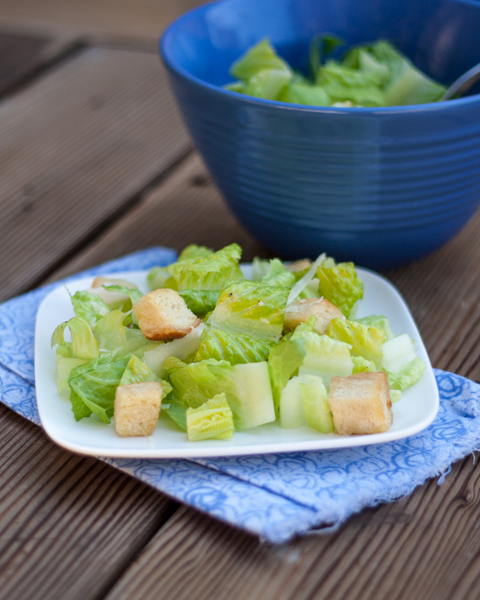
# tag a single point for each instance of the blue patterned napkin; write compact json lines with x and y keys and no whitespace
{"x":272,"y":496}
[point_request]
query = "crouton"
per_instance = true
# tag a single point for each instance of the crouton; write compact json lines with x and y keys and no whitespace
{"x":299,"y":265}
{"x":300,"y":311}
{"x":101,"y":281}
{"x":137,"y":407}
{"x":163,"y":315}
{"x":361,"y":403}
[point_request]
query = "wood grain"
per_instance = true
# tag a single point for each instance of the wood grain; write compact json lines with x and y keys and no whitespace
{"x":23,"y":56}
{"x":187,"y":208}
{"x":140,"y":19}
{"x":423,"y":547}
{"x":76,"y":148}
{"x":68,"y":525}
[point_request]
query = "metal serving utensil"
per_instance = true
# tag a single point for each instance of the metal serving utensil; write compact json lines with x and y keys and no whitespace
{"x":463,"y":83}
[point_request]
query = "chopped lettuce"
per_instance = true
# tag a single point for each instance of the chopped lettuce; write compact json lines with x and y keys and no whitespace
{"x":89,"y":307}
{"x":250,"y":308}
{"x":137,"y":371}
{"x":160,"y":278}
{"x":379,"y":322}
{"x":340,"y":284}
{"x":362,"y":365}
{"x":200,"y":302}
{"x":246,"y":387}
{"x":66,"y":362}
{"x":234,"y":348}
{"x":305,"y":352}
{"x":278,"y":275}
{"x":364,"y":341}
{"x":84,"y":344}
{"x":260,"y":267}
{"x":367,"y":75}
{"x":315,"y":404}
{"x":212,"y":420}
{"x":110,"y":332}
{"x":305,"y":280}
{"x":208,"y":272}
{"x":292,"y":414}
{"x":399,"y":361}
{"x":407,"y":376}
{"x":261,"y":57}
{"x":93,"y":386}
{"x":194,"y":251}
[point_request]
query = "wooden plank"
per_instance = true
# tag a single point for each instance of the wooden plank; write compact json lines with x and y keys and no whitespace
{"x":68,"y":525}
{"x":422,"y":547}
{"x":141,"y":19}
{"x":75,"y":150}
{"x":26,"y":55}
{"x":185,"y":209}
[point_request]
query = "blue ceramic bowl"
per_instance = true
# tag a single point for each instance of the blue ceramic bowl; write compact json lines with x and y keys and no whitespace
{"x":380,"y":186}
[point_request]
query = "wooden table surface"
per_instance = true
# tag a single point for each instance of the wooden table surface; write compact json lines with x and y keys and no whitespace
{"x":95,"y":163}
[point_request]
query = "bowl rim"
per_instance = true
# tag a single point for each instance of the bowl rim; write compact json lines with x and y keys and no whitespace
{"x":171,"y":64}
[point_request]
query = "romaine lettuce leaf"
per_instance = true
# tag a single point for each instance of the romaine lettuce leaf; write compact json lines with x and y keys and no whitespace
{"x":212,"y":420}
{"x":208,"y":273}
{"x":93,"y":386}
{"x":407,"y":376}
{"x":200,"y":302}
{"x":246,"y":387}
{"x":342,"y":83}
{"x":66,"y":362}
{"x":137,"y":371}
{"x":194,"y":251}
{"x":364,"y":341}
{"x":258,"y":58}
{"x":110,"y":332}
{"x":84,"y":344}
{"x":89,"y":307}
{"x":362,"y":365}
{"x":379,"y":322}
{"x":268,"y":84}
{"x":340,"y":284}
{"x":160,"y":278}
{"x":299,"y":92}
{"x":250,"y":308}
{"x":278,"y":275}
{"x":315,"y":403}
{"x":260,"y":267}
{"x":236,"y":348}
{"x":292,"y":414}
{"x":325,"y":358}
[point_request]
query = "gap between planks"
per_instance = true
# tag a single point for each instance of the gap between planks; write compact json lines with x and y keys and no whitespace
{"x":76,"y":147}
{"x":69,"y":525}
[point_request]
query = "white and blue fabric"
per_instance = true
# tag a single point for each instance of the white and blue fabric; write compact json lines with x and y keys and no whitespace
{"x":273,"y":496}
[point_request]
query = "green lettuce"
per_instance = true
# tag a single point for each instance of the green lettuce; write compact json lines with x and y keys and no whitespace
{"x":364,"y":341}
{"x":362,"y":365}
{"x":407,"y":376}
{"x":250,"y":308}
{"x":300,"y":92}
{"x":212,"y":420}
{"x":246,"y":387}
{"x":261,"y":57}
{"x":342,"y":83}
{"x":340,"y":284}
{"x":315,"y":404}
{"x":110,"y":332}
{"x":278,"y":275}
{"x":93,"y":386}
{"x":89,"y":307}
{"x":268,"y":84}
{"x":379,"y":322}
{"x":159,"y":278}
{"x":84,"y":344}
{"x":194,"y":251}
{"x":260,"y":267}
{"x":399,"y":361}
{"x":236,"y":348}
{"x":66,"y":362}
{"x":209,"y":272}
{"x":200,"y":302}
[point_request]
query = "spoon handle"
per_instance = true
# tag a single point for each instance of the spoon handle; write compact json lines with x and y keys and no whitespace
{"x":463,"y":83}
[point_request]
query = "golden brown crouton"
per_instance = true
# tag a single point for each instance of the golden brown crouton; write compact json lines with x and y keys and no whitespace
{"x":137,"y":407}
{"x":300,"y":311}
{"x":299,"y":265}
{"x":101,"y":281}
{"x":163,"y":315}
{"x":361,"y":403}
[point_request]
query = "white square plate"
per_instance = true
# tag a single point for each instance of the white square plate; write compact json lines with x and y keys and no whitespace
{"x":415,"y":411}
